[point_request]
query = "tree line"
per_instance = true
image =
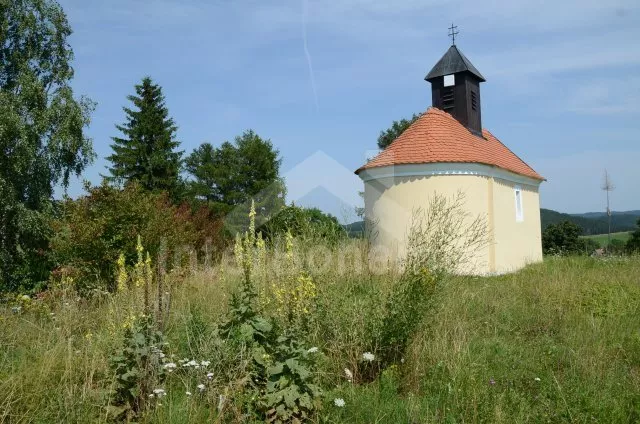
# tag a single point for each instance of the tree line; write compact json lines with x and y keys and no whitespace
{"x":223,"y":177}
{"x":43,"y":143}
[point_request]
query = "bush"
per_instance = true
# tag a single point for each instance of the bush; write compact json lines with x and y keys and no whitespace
{"x":303,"y":223}
{"x":563,"y":238}
{"x":95,"y":229}
{"x":633,"y":244}
{"x":616,"y":247}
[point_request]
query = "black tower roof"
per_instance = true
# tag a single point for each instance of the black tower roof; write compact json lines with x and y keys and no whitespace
{"x":453,"y":62}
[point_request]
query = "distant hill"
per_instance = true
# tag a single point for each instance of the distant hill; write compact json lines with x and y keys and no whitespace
{"x":603,"y":214}
{"x":355,"y":229}
{"x":591,"y":222}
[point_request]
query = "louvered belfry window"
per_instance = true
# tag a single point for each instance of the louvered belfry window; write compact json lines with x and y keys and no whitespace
{"x":447,"y":98}
{"x":474,"y":100}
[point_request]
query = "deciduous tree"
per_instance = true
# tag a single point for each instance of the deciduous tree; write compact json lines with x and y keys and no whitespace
{"x":234,"y":173}
{"x":397,"y":127}
{"x":42,"y":139}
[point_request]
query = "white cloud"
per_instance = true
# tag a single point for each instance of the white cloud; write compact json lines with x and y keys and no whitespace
{"x":616,"y":95}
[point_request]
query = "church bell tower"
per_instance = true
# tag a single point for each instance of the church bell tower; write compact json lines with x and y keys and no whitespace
{"x":455,"y":87}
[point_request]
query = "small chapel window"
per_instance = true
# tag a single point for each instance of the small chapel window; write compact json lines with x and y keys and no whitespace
{"x":449,"y":80}
{"x":519,"y":211}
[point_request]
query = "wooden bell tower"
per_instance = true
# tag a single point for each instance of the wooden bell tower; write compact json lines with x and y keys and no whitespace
{"x":455,"y":87}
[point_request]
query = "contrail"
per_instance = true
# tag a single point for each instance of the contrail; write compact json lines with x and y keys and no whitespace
{"x":305,"y":11}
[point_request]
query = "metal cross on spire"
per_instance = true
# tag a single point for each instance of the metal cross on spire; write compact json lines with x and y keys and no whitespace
{"x":453,"y":33}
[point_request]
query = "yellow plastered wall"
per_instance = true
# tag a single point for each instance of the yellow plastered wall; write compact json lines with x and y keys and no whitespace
{"x":391,"y":201}
{"x":517,"y":243}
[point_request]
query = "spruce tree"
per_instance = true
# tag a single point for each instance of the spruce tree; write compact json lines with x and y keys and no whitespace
{"x":147,"y":152}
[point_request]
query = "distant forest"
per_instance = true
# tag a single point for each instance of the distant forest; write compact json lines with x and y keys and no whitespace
{"x":590,"y":222}
{"x":593,"y":222}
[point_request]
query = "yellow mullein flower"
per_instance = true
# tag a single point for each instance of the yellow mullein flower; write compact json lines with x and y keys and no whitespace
{"x":289,"y":245}
{"x":262,"y":250}
{"x":148,"y":274}
{"x":252,"y":224}
{"x":139,"y":266}
{"x":122,"y":273}
{"x":238,"y":251}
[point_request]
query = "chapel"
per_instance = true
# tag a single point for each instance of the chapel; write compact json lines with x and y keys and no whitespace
{"x":447,"y":151}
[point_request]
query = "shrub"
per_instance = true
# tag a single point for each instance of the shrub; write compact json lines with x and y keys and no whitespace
{"x":633,"y":244}
{"x":95,"y":229}
{"x":303,"y":223}
{"x":616,"y":247}
{"x":563,"y":238}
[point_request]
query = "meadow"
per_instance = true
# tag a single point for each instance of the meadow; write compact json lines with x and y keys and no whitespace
{"x":602,"y":239}
{"x":557,"y":341}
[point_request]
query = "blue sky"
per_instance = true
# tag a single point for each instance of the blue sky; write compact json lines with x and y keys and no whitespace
{"x":562,"y":90}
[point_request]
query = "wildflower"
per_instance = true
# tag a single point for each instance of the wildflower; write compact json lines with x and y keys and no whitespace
{"x":537,"y":379}
{"x":312,"y":350}
{"x":252,"y":224}
{"x":205,"y":363}
{"x":348,"y":374}
{"x":289,"y":245}
{"x":151,"y":395}
{"x":238,"y":251}
{"x":492,"y":381}
{"x":191,"y":363}
{"x":188,"y":393}
{"x":201,"y":387}
{"x":339,"y":402}
{"x":122,"y":273}
{"x":159,"y":392}
{"x":368,"y":356}
{"x":262,"y":249}
{"x":210,"y":375}
{"x":139,"y":266}
{"x":170,"y":366}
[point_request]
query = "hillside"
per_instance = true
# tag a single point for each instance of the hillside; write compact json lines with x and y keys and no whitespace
{"x":603,"y":214}
{"x":592,"y":222}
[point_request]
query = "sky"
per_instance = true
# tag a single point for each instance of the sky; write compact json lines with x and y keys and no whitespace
{"x":322,"y":78}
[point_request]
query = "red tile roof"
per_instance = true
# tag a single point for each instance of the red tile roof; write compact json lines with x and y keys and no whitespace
{"x":438,"y":137}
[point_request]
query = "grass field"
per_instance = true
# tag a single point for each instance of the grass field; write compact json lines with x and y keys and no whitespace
{"x":556,"y":342}
{"x":602,"y":239}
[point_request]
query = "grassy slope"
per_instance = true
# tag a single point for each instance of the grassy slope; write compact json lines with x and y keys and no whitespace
{"x":602,"y":239}
{"x":571,"y":322}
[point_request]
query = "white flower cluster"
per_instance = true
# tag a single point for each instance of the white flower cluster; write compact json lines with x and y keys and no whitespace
{"x":348,"y":374}
{"x":192,"y":363}
{"x":159,"y":393}
{"x":312,"y":350}
{"x":157,"y":351}
{"x":368,"y":356}
{"x":339,"y":402}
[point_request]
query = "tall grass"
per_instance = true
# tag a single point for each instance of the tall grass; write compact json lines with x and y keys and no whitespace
{"x":556,"y":342}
